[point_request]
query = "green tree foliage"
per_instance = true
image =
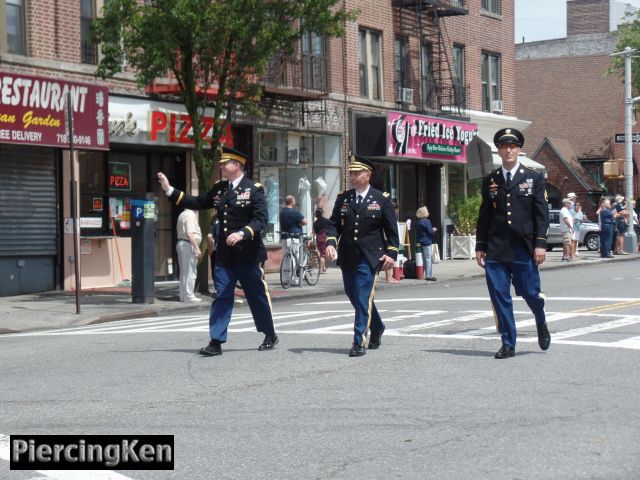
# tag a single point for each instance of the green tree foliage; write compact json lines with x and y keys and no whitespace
{"x":629,"y":36}
{"x":465,"y":214}
{"x":206,"y":44}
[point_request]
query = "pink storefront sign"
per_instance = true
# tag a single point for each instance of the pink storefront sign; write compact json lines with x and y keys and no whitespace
{"x":418,"y":136}
{"x":33,"y":111}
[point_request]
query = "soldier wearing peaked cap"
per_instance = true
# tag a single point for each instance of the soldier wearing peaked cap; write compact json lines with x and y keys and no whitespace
{"x":363,"y":225}
{"x":511,"y":239}
{"x":242,"y":212}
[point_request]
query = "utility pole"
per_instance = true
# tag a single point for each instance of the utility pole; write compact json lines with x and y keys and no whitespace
{"x":630,"y":240}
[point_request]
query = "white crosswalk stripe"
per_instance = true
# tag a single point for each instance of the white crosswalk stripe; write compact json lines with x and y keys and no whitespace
{"x":455,"y":319}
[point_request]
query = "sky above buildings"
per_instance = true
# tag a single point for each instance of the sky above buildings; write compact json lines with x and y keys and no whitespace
{"x":544,"y":19}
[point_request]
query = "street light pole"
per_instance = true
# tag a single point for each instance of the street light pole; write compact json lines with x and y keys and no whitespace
{"x":630,"y":240}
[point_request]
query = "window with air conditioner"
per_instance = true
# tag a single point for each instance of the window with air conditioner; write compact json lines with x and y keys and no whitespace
{"x":490,"y":80}
{"x":370,"y":65}
{"x":401,"y":66}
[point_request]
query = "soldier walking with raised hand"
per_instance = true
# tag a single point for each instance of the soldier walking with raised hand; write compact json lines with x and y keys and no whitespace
{"x":242,"y":215}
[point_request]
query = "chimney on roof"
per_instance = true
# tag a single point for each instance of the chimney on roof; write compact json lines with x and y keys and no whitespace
{"x":588,"y":16}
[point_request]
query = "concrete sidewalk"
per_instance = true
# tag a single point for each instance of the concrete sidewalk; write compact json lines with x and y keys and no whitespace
{"x":52,"y":310}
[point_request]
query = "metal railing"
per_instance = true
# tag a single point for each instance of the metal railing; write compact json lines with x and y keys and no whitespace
{"x":306,"y":73}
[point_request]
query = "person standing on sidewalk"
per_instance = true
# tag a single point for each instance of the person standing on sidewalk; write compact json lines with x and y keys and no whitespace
{"x":566,"y":229}
{"x":291,"y":223}
{"x":242,"y":213}
{"x":364,"y":226}
{"x":425,"y":234}
{"x":188,"y":248}
{"x":511,"y":239}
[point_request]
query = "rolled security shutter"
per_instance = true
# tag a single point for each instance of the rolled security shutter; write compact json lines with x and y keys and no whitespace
{"x":28,"y":212}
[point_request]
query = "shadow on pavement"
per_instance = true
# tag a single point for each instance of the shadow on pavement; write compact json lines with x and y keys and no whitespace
{"x":478,"y":353}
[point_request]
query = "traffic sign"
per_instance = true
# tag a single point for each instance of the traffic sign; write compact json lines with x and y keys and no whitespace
{"x":635,"y":137}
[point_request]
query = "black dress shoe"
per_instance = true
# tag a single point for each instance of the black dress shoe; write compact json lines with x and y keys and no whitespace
{"x":376,"y":339}
{"x":544,"y":337}
{"x":269,"y":342}
{"x":505,"y":352}
{"x":356,"y":351}
{"x":214,"y":348}
{"x":431,"y":279}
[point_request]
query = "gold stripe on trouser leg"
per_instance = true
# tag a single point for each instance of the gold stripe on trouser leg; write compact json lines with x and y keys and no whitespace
{"x":266,"y":290}
{"x":366,"y":331}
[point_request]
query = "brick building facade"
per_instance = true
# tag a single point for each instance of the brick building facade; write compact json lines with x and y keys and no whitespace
{"x":462,"y":79}
{"x":575,"y":106}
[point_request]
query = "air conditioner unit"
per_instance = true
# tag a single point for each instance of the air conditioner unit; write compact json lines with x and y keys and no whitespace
{"x":407,"y":95}
{"x":496,"y":106}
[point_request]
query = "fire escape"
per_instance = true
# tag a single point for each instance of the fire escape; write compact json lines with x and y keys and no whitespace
{"x":441,"y":90}
{"x":295,"y":86}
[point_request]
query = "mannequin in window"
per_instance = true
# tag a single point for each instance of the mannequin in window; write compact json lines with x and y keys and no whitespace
{"x":271,"y":184}
{"x":322,"y":200}
{"x":304,"y":194}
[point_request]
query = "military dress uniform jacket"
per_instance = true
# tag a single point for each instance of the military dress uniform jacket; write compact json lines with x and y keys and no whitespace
{"x":368,"y":229}
{"x":508,"y":215}
{"x":241,"y":210}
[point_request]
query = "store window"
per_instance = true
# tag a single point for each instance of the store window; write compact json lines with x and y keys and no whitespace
{"x":303,"y":165}
{"x":14,"y":13}
{"x":107,"y":184}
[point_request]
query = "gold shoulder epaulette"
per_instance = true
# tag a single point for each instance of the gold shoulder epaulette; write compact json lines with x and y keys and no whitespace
{"x":385,"y":194}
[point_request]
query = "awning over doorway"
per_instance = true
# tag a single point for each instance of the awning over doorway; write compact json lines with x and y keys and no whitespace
{"x":481,"y":159}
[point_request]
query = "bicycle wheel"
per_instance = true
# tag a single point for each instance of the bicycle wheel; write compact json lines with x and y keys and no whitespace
{"x":312,"y":268}
{"x":286,"y":270}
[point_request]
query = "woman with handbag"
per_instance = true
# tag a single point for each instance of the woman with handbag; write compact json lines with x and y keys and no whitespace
{"x":425,"y":235}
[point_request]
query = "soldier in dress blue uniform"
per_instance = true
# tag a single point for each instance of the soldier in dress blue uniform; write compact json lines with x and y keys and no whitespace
{"x":364,"y":226}
{"x":511,"y":239}
{"x":242,"y":213}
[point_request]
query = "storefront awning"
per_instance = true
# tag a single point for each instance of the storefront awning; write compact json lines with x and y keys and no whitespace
{"x":481,"y":159}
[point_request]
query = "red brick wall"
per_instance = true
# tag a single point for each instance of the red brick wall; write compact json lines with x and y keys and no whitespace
{"x":571,"y":98}
{"x":477,"y":32}
{"x":587,"y":16}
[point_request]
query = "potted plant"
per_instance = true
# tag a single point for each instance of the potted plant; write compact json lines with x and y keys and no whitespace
{"x":465,"y":217}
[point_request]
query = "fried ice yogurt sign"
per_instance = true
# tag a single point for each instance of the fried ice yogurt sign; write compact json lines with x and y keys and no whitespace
{"x":418,"y":136}
{"x":33,"y":110}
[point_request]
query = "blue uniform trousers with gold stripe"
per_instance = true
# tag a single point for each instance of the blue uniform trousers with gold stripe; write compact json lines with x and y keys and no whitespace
{"x":256,"y":292}
{"x":524,"y":274}
{"x":360,"y":287}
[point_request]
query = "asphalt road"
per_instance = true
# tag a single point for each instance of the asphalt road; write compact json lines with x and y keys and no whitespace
{"x":432,"y":403}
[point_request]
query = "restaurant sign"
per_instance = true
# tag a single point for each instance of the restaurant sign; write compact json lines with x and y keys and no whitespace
{"x":33,"y":111}
{"x":417,"y":136}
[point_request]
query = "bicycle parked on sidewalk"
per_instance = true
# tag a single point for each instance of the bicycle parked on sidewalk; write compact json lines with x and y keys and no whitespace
{"x":300,"y":260}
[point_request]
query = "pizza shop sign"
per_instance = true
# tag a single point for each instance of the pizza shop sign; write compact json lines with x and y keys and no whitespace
{"x":417,"y":136}
{"x":159,"y":123}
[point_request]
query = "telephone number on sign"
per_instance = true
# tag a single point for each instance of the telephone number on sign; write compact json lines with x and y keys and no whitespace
{"x":77,"y":139}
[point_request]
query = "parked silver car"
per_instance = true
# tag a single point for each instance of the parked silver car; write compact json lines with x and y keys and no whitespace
{"x":589,"y":233}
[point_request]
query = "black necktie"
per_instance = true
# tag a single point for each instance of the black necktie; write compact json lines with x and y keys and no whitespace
{"x":359,"y":200}
{"x":508,"y":179}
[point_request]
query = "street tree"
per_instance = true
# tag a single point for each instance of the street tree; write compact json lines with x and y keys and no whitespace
{"x":216,"y":50}
{"x":629,"y":36}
